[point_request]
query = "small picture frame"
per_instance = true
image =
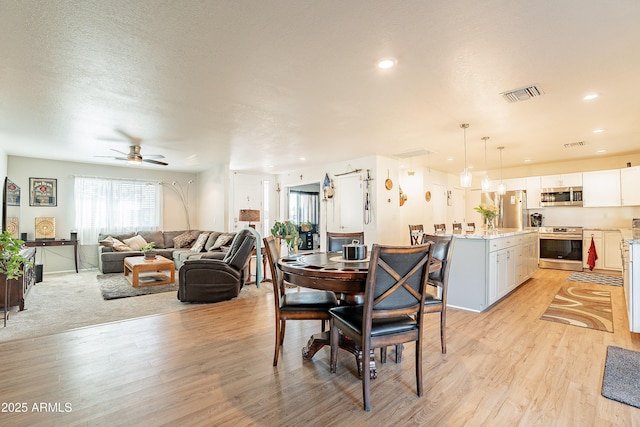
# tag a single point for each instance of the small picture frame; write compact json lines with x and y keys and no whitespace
{"x":43,"y":192}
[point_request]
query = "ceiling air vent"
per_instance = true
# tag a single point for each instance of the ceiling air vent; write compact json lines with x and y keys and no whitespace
{"x":575,"y":144}
{"x":522,"y":94}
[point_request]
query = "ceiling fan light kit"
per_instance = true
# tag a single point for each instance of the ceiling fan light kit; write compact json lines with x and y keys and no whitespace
{"x":134,"y":156}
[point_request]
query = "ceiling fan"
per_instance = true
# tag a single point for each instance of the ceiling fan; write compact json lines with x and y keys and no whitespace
{"x":134,"y":156}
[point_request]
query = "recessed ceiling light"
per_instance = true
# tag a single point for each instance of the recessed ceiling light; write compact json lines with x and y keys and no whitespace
{"x":528,"y":160}
{"x":590,"y":96}
{"x":450,"y":159}
{"x":386,"y":63}
{"x":601,"y":151}
{"x":598,"y":130}
{"x":302,"y":159}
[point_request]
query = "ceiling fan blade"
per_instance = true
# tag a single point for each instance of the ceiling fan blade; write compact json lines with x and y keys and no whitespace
{"x":119,"y":152}
{"x":134,"y":139}
{"x":111,"y":157}
{"x":153,"y":156}
{"x":155,"y":162}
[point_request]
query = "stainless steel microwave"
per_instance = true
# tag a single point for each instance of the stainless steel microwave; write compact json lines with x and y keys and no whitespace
{"x":561,"y":196}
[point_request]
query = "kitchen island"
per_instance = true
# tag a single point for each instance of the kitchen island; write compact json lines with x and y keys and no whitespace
{"x":487,"y":265}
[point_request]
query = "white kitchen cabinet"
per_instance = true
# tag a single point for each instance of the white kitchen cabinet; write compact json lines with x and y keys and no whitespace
{"x":612,"y":254}
{"x":632,"y":288}
{"x":532,"y":186}
{"x":601,"y":188}
{"x":587,"y":235}
{"x":629,"y":179}
{"x":490,"y":267}
{"x":562,"y":180}
{"x":515,"y":184}
{"x":502,"y":272}
{"x":607,"y":244}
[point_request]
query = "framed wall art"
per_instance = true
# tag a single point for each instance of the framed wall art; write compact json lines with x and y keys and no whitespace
{"x":43,"y":192}
{"x":45,"y":228}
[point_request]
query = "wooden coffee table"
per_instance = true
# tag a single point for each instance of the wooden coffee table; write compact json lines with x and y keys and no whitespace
{"x":138,"y":264}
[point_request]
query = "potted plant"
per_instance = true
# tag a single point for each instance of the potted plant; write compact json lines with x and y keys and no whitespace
{"x":11,"y":263}
{"x":149,"y":250}
{"x":288,"y":231}
{"x":489,"y":213}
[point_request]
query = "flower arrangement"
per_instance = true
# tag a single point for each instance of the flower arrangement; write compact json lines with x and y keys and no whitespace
{"x":488,"y":212}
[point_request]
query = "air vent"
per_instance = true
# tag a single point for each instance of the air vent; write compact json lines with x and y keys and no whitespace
{"x":575,"y":144}
{"x":414,"y":153}
{"x":522,"y":94}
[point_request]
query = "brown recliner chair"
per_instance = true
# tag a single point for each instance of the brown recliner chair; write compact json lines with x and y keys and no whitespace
{"x":213,"y":280}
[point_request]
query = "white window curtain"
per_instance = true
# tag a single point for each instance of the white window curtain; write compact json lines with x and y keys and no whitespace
{"x":303,"y":207}
{"x":108,"y":205}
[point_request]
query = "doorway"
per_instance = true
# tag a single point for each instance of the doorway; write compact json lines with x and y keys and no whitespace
{"x":303,"y":204}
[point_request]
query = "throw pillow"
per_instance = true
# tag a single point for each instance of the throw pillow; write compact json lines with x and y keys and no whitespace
{"x":183,"y":240}
{"x":120,"y":247}
{"x":135,"y":242}
{"x":222,"y":240}
{"x":200,"y":241}
{"x":108,"y":241}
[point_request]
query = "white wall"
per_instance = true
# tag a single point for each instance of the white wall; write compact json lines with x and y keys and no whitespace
{"x":19,"y":169}
{"x":212,"y":198}
{"x":391,"y":221}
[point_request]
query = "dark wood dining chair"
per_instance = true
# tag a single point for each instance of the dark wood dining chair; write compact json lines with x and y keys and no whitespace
{"x":457,"y":228}
{"x":471,"y":227}
{"x":394,"y":305}
{"x":436,"y":299}
{"x":415,"y":234}
{"x":336,"y":240}
{"x":305,"y":305}
{"x":440,"y":228}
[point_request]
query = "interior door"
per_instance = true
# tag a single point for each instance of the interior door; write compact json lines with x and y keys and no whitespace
{"x":351,"y":203}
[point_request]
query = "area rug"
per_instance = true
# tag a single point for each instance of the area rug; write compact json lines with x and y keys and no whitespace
{"x":587,"y":308}
{"x":600,"y":279}
{"x":115,"y":285}
{"x":621,"y":380}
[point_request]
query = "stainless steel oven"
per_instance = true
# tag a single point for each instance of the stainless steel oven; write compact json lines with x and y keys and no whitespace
{"x":561,"y":248}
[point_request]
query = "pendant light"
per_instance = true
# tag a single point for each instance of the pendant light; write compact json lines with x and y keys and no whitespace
{"x":486,"y":182}
{"x":501,"y":188}
{"x":465,"y":175}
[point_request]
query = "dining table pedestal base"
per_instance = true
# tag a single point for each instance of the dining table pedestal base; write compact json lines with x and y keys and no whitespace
{"x":317,"y":341}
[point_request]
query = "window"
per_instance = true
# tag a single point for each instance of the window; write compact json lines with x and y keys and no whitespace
{"x":109,"y":205}
{"x":303,"y":206}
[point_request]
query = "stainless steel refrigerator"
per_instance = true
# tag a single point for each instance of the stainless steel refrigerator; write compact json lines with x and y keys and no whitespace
{"x":512,"y":208}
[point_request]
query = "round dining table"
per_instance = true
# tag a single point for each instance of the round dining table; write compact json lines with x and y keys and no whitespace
{"x":329,"y":271}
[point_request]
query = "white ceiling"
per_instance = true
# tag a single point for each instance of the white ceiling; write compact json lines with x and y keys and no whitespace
{"x":262,"y":83}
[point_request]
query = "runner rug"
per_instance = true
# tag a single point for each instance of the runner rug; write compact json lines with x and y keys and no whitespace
{"x":587,"y":308}
{"x":621,"y":381}
{"x":600,"y":279}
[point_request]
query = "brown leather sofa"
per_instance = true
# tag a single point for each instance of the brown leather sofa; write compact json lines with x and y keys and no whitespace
{"x":213,"y":280}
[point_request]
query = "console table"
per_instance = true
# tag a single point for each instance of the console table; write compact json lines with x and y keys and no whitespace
{"x":61,"y":242}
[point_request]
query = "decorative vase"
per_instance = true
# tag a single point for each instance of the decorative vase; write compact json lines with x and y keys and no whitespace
{"x":150,"y":255}
{"x":490,"y":224}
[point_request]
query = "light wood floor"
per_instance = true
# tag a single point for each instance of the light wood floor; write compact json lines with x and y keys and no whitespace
{"x":212,"y":366}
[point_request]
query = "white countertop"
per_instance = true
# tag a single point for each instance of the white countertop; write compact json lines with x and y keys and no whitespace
{"x":494,"y":234}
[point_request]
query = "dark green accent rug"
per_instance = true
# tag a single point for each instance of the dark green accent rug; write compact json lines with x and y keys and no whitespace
{"x":621,"y":380}
{"x":115,"y":285}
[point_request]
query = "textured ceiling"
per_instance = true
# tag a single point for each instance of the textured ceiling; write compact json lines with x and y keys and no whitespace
{"x":261,"y":84}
